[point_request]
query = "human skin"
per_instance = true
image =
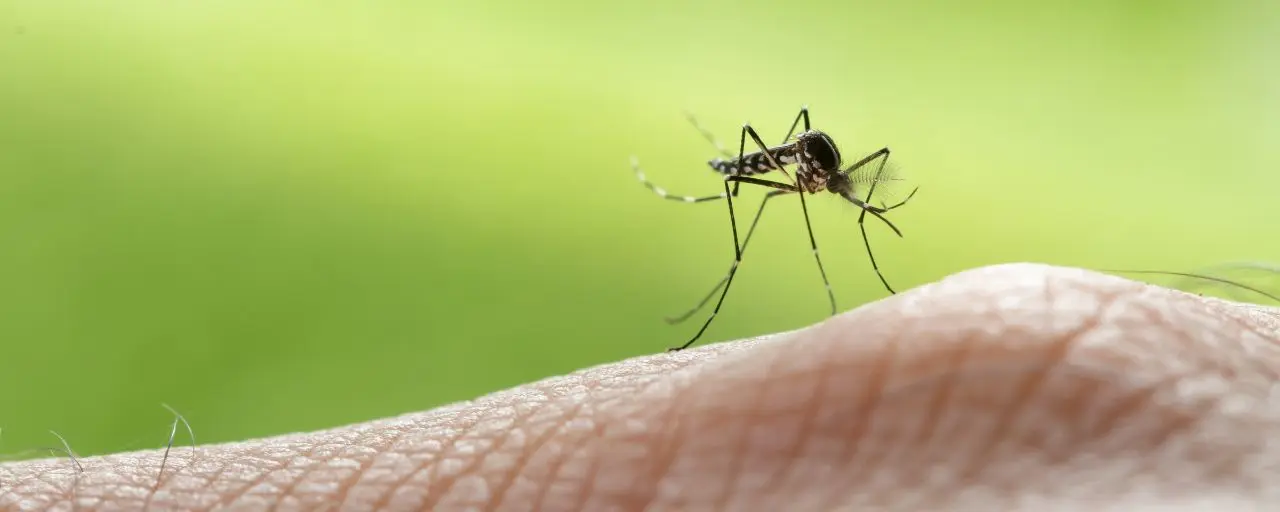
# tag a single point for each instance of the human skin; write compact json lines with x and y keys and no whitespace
{"x":1015,"y":387}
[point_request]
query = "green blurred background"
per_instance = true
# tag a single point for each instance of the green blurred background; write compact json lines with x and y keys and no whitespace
{"x":287,"y":215}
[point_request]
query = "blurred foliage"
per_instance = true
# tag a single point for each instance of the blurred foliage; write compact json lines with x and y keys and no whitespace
{"x":288,"y":215}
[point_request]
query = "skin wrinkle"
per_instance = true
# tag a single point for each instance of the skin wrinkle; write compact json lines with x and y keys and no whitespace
{"x":442,"y":484}
{"x":1219,"y":313}
{"x":811,"y":408}
{"x":521,"y":464}
{"x":809,"y":381}
{"x":352,"y":484}
{"x":217,"y":477}
{"x":426,"y":464}
{"x":1183,"y":422}
{"x":1217,"y":364}
{"x":837,"y":366}
{"x":942,"y":397}
{"x":948,"y":354}
{"x":496,"y":404}
{"x":666,"y":394}
{"x":446,"y":411}
{"x":1043,"y":361}
{"x":337,"y":443}
{"x":1128,"y":410}
{"x":432,"y":461}
{"x":865,"y":413}
{"x":554,"y":471}
{"x":1056,"y":352}
{"x":761,"y":410}
{"x":920,"y":393}
{"x":275,"y":464}
{"x":1126,"y":450}
{"x":588,"y":485}
{"x":309,"y":466}
{"x":673,"y":426}
{"x":1130,"y":405}
{"x":672,"y":429}
{"x":70,"y":493}
{"x":737,"y":456}
{"x":345,"y":485}
{"x":592,"y":469}
{"x":503,"y":438}
{"x":653,"y":368}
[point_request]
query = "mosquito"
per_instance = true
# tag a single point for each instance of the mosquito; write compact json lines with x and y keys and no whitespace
{"x":817,"y":162}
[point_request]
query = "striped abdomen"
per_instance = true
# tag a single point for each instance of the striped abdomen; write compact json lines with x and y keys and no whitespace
{"x":755,"y":163}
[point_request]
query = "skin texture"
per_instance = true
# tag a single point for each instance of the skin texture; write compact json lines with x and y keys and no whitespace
{"x":1015,"y":387}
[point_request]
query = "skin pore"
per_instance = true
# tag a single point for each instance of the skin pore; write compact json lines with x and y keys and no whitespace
{"x":1014,"y":387}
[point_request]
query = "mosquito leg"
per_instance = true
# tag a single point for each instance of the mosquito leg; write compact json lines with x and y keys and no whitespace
{"x":885,"y":208}
{"x":737,"y":260}
{"x":764,"y":183}
{"x":745,"y":240}
{"x":706,"y":134}
{"x":813,"y":243}
{"x":662,"y":192}
{"x":804,"y":114}
{"x":882,"y":152}
{"x":737,"y":249}
{"x":883,"y":155}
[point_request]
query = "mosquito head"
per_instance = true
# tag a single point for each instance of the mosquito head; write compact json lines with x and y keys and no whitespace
{"x":818,"y":151}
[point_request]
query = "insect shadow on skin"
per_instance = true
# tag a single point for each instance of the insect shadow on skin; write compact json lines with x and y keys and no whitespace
{"x":817,"y":166}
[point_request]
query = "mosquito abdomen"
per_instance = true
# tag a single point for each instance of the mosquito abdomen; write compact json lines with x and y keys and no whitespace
{"x":754,"y":163}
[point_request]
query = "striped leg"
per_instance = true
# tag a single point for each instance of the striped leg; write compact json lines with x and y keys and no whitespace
{"x":662,"y":192}
{"x":728,"y":196}
{"x":706,"y":134}
{"x":745,"y":240}
{"x":737,"y":250}
{"x":804,"y":114}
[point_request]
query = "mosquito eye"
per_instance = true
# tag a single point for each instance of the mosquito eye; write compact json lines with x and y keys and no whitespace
{"x":824,"y":155}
